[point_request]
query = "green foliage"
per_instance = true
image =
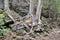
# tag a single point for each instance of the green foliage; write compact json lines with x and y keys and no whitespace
{"x":3,"y":31}
{"x":58,"y":4}
{"x":1,"y":20}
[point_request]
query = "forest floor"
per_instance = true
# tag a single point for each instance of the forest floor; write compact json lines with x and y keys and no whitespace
{"x":54,"y":34}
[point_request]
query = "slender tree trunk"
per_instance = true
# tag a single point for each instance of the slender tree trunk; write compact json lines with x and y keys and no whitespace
{"x":6,"y":5}
{"x":38,"y":13}
{"x":31,"y":10}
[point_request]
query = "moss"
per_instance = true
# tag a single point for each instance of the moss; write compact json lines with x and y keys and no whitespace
{"x":20,"y":32}
{"x":1,"y":11}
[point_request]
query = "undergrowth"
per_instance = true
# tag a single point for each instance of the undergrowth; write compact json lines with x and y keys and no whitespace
{"x":3,"y":29}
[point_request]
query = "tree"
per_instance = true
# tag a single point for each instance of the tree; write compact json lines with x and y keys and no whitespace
{"x":31,"y":11}
{"x":38,"y":13}
{"x":6,"y":5}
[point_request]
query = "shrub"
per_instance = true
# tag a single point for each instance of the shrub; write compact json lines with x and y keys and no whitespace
{"x":3,"y":31}
{"x":1,"y":20}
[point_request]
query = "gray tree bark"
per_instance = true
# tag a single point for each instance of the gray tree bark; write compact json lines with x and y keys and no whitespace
{"x":38,"y":13}
{"x":6,"y":5}
{"x":31,"y":11}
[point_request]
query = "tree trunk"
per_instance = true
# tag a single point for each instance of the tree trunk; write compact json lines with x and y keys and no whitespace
{"x":31,"y":10}
{"x":6,"y":5}
{"x":38,"y":13}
